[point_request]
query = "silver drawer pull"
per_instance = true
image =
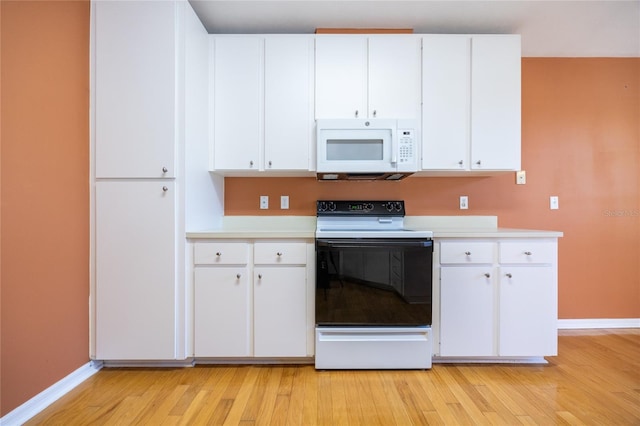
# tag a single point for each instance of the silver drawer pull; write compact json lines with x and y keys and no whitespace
{"x":259,"y":276}
{"x":488,"y":275}
{"x":528,"y":253}
{"x":509,"y":275}
{"x":238,"y":276}
{"x":279,"y":254}
{"x":165,"y":170}
{"x":468,"y":253}
{"x":165,"y":189}
{"x":218,"y":254}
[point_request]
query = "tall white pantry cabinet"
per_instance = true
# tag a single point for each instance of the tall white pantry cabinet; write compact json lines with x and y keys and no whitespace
{"x":147,"y":58}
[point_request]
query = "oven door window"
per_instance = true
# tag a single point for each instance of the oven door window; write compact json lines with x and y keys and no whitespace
{"x":378,"y":282}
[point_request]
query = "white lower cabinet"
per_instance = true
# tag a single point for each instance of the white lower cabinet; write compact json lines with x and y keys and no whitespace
{"x":251,"y":299}
{"x":222,"y":323}
{"x":467,"y":306}
{"x":498,"y":298}
{"x":279,"y":311}
{"x":136,"y":282}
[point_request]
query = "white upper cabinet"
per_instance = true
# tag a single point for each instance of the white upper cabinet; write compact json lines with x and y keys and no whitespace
{"x":471,"y":103}
{"x":341,"y":77}
{"x":237,"y":102}
{"x":495,"y":102}
{"x":360,"y":76}
{"x":262,"y":103}
{"x":135,"y":86}
{"x":394,"y":76}
{"x":288,"y":104}
{"x":445,"y":101}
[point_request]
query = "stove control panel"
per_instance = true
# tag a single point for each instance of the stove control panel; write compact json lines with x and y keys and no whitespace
{"x":360,"y":208}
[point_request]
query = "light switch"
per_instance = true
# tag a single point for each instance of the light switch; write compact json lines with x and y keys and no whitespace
{"x":554,"y":203}
{"x":521,"y":177}
{"x":264,"y":202}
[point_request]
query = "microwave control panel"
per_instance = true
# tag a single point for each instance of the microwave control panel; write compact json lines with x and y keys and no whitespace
{"x":406,"y":146}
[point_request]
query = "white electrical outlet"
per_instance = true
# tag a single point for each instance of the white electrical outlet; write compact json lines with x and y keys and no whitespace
{"x":284,"y":202}
{"x":264,"y":202}
{"x":521,"y":177}
{"x":464,"y":202}
{"x":554,"y":204}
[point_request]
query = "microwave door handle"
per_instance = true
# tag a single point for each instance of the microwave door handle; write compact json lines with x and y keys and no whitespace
{"x":394,"y":149}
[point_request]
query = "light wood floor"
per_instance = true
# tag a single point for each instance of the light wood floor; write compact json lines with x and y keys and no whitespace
{"x":594,"y":380}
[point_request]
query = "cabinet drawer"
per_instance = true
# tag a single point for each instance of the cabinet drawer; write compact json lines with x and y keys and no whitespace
{"x":462,"y":252}
{"x":527,"y":252}
{"x":279,"y":253}
{"x":223,"y":253}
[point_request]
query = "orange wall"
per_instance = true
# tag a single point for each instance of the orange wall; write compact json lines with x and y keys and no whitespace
{"x":45,"y":195}
{"x":580,"y":141}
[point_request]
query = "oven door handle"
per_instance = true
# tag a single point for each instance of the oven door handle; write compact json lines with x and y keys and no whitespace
{"x":341,"y":244}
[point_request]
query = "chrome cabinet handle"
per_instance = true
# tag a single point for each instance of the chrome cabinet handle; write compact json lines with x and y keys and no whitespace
{"x":356,"y":113}
{"x":251,"y":163}
{"x":528,"y":253}
{"x":165,"y":189}
{"x":269,"y":163}
{"x":488,"y":275}
{"x":509,"y":275}
{"x":478,"y":162}
{"x":238,"y":276}
{"x":279,"y":254}
{"x":468,"y":253}
{"x":259,"y":276}
{"x":165,"y":170}
{"x":375,"y":113}
{"x":461,"y":162}
{"x":218,"y":254}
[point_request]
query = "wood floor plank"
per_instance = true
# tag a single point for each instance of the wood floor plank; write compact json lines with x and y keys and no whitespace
{"x":311,"y":400}
{"x":594,"y":380}
{"x":387,"y":393}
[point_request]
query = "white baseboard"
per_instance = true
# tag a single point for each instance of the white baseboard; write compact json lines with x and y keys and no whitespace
{"x":569,"y":324}
{"x":48,"y":396}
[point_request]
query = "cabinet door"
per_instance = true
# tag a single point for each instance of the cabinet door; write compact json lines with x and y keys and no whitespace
{"x":528,"y":311}
{"x":467,"y":311}
{"x":237,"y":102}
{"x":445,"y":102}
{"x":280,"y":312}
{"x":341,"y":77}
{"x":135,"y":270}
{"x":222,"y":324}
{"x":288,"y":109}
{"x":135,"y":89}
{"x":394,"y":77}
{"x":495,"y":102}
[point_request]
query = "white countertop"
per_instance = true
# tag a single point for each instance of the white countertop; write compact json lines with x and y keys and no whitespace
{"x":246,"y":227}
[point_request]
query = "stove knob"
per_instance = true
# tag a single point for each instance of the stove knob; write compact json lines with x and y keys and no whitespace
{"x":322,"y":206}
{"x":369,"y":206}
{"x":332,"y":205}
{"x":389,"y":206}
{"x":398,"y":205}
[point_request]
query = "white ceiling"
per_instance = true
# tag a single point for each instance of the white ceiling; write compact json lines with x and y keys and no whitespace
{"x":591,"y":28}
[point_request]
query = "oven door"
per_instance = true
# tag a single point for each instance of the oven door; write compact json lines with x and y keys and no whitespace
{"x":377,"y":282}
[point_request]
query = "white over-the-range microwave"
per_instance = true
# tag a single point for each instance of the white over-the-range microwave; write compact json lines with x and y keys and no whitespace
{"x":366,"y":149}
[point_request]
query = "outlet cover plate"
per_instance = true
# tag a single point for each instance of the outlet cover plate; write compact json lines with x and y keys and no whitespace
{"x":464,"y":202}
